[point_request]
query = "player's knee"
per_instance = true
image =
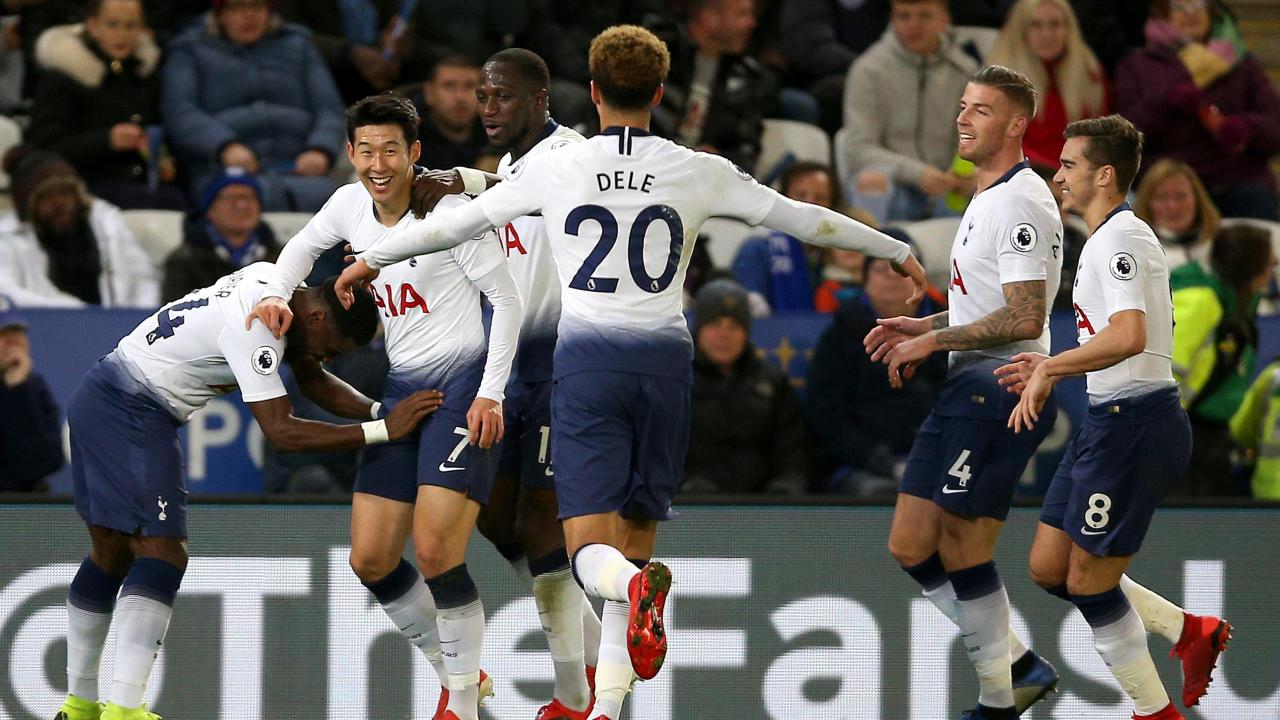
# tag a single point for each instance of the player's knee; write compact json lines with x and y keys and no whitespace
{"x":369,"y":567}
{"x":496,"y":530}
{"x":907,"y":553}
{"x":434,"y":556}
{"x":1045,"y":574}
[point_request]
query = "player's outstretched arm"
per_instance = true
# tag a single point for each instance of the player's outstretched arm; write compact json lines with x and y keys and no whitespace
{"x":819,"y":226}
{"x":1124,"y":337}
{"x":440,"y":231}
{"x":293,"y":434}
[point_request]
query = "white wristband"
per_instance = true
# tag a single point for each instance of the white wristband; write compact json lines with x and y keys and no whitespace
{"x":374,"y":409}
{"x":375,"y":432}
{"x":473,"y":181}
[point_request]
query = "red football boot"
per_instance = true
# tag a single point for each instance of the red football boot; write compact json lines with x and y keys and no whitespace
{"x":485,"y":692}
{"x":646,"y":638}
{"x":1168,"y":713}
{"x":1203,"y":639}
{"x":554,"y":710}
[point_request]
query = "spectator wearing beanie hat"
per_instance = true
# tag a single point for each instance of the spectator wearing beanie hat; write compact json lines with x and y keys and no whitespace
{"x":225,"y":236}
{"x":748,"y":435}
{"x":60,"y":246}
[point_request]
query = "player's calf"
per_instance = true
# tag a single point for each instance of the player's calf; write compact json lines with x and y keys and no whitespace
{"x":460,"y":619}
{"x":1121,"y":640}
{"x":142,"y":618}
{"x":560,"y":601}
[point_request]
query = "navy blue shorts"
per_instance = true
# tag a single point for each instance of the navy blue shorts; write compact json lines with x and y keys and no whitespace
{"x":526,"y":442}
{"x":1117,"y":468}
{"x":965,"y":458}
{"x":438,"y":454}
{"x":618,"y":443}
{"x":127,"y":469}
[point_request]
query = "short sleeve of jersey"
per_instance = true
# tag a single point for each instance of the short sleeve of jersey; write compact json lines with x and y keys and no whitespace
{"x":732,"y":192}
{"x":1025,"y":235}
{"x":330,"y":225}
{"x":1120,"y":273}
{"x":521,"y":193}
{"x":254,"y":357}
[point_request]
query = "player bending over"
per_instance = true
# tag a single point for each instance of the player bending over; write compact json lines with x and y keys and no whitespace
{"x":127,"y":469}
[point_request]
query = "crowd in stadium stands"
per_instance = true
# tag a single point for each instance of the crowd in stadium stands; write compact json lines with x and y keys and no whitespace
{"x":229,"y":109}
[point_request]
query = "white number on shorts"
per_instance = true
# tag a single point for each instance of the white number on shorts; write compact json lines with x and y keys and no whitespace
{"x":960,"y":470}
{"x":462,"y":444}
{"x":1097,"y":515}
{"x":544,"y":445}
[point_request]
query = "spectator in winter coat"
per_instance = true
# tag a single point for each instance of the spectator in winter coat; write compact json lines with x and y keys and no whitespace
{"x":30,"y":434}
{"x":1176,"y":205}
{"x":61,"y":246}
{"x":246,"y":89}
{"x":98,"y":105}
{"x":747,"y":434}
{"x":227,"y":235}
{"x":1202,"y":98}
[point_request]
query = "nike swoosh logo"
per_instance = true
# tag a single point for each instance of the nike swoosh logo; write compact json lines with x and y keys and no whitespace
{"x":1089,"y":532}
{"x":548,"y":472}
{"x":948,"y":490}
{"x":451,"y":468}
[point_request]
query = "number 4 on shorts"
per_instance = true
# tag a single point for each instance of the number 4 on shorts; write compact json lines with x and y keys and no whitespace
{"x":960,"y":470}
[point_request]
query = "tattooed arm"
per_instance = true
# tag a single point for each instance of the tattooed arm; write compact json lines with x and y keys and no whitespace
{"x":1021,"y":318}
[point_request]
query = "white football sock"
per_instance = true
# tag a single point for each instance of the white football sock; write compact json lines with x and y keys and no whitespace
{"x":560,"y":603}
{"x":1123,"y":646}
{"x":1158,"y":615}
{"x":604,"y":572}
{"x":141,"y":624}
{"x":462,"y":637}
{"x":590,"y":633}
{"x":984,"y":628}
{"x":414,"y":613}
{"x":614,"y":674}
{"x":86,"y":636}
{"x":943,"y":597}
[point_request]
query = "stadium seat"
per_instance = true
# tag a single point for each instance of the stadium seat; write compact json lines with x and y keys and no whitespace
{"x":934,"y":238}
{"x":786,"y":141}
{"x":10,"y":135}
{"x":158,"y":231}
{"x":285,"y":224}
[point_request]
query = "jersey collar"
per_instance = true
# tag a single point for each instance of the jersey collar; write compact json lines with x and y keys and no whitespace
{"x":1024,"y":165}
{"x":1118,"y":209}
{"x":547,"y":130}
{"x":625,"y":133}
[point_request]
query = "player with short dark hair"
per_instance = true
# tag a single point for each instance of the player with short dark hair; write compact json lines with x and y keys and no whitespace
{"x":432,"y":484}
{"x":622,"y":210}
{"x":1006,"y":262}
{"x":127,"y":469}
{"x":1136,"y":438}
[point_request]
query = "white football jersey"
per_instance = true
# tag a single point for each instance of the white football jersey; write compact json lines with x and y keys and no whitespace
{"x":1011,"y":232}
{"x":196,"y":348}
{"x":1123,"y":267}
{"x":430,"y":308}
{"x":622,"y":211}
{"x":534,"y":268}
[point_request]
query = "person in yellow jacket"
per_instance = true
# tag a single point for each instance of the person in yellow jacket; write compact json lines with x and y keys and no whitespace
{"x":1214,"y":343}
{"x":1256,"y":428}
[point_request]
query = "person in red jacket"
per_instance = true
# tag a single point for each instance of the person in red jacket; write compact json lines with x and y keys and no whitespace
{"x":1042,"y":40}
{"x":1202,"y":98}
